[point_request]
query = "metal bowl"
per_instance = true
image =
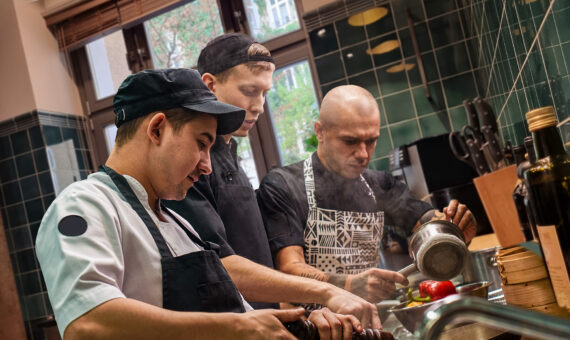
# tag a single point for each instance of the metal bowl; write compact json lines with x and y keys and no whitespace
{"x":411,"y":317}
{"x":384,"y":307}
{"x":479,"y":289}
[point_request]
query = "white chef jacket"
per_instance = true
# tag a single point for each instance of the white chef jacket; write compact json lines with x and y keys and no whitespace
{"x":116,"y":257}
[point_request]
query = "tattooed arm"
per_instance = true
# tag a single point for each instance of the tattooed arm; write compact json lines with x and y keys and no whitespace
{"x":455,"y":212}
{"x":260,"y":283}
{"x":373,"y":285}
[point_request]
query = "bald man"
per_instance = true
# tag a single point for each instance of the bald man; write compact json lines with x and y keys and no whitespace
{"x":324,"y":216}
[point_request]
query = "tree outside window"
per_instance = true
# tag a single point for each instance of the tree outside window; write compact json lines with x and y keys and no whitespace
{"x":177,"y":37}
{"x":271,"y":18}
{"x":294,"y":110}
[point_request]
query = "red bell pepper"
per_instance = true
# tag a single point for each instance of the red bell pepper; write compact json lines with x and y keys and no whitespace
{"x":436,"y":289}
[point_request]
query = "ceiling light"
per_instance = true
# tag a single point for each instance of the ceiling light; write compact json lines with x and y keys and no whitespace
{"x":367,"y":17}
{"x":516,"y":31}
{"x":384,"y":47}
{"x":400,"y":67}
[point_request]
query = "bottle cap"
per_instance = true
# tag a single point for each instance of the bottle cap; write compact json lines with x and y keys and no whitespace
{"x":540,"y":118}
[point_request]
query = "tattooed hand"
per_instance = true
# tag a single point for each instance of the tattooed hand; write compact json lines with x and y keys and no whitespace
{"x":373,"y":285}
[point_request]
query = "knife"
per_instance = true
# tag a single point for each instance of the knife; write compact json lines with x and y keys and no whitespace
{"x":486,"y":113}
{"x":477,"y":156}
{"x":473,"y":120}
{"x":489,"y":131}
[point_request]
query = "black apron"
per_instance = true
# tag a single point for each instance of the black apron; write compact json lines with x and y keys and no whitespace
{"x":237,"y":206}
{"x":232,"y":194}
{"x":192,"y":282}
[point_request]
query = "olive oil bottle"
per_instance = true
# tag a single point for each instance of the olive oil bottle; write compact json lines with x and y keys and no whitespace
{"x":548,"y":183}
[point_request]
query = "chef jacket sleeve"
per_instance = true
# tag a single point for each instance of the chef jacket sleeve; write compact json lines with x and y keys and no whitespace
{"x":79,"y":250}
{"x":401,"y":209}
{"x":283,"y":223}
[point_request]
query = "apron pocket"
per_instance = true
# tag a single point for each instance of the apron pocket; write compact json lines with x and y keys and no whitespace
{"x":216,"y":296}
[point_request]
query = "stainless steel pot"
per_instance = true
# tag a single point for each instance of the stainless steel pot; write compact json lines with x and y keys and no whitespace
{"x":438,"y":249}
{"x":481,"y":265}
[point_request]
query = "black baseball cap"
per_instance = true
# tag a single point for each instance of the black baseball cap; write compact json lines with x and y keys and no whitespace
{"x":153,"y":90}
{"x":226,"y":51}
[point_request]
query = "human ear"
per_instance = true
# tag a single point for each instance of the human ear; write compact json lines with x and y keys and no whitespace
{"x":156,"y":126}
{"x":210,"y":81}
{"x":319,"y":131}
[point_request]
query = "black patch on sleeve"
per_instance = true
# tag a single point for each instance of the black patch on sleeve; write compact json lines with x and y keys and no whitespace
{"x":72,"y":225}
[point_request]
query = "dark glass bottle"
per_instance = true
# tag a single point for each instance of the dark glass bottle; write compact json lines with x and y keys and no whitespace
{"x":548,"y":183}
{"x":520,"y":194}
{"x":531,"y":159}
{"x":306,"y":330}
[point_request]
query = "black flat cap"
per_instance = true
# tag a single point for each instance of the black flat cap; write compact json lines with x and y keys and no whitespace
{"x":154,"y":90}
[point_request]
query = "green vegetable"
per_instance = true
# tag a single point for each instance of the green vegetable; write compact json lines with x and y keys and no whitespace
{"x":417,"y":298}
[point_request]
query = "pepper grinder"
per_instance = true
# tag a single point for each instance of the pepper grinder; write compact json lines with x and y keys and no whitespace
{"x":306,"y":330}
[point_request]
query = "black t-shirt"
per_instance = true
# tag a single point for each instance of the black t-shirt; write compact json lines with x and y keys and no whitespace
{"x":283,"y":201}
{"x":229,"y":191}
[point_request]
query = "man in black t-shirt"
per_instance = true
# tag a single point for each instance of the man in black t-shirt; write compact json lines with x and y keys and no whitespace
{"x":222,"y":206}
{"x":239,"y":71}
{"x":324,"y":216}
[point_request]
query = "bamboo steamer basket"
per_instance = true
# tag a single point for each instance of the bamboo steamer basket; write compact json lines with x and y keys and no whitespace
{"x":525,"y":281}
{"x":518,"y":265}
{"x":529,"y":294}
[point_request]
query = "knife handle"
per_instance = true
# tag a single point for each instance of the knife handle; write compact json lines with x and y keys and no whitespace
{"x":489,"y":159}
{"x":472,"y":117}
{"x":477,"y":156}
{"x":487,"y":114}
{"x":495,"y":147}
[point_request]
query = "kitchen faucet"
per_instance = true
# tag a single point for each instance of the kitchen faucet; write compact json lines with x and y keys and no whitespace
{"x":508,"y":318}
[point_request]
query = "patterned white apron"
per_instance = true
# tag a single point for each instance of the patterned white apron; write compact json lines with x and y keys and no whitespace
{"x":338,"y":241}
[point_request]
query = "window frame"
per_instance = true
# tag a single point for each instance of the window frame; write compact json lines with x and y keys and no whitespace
{"x":285,"y":49}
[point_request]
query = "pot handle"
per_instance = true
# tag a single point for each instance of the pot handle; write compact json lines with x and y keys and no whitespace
{"x":406,"y":271}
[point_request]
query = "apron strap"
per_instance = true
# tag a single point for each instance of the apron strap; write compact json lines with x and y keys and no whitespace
{"x":204,"y":244}
{"x":309,"y":182}
{"x":133,"y":200}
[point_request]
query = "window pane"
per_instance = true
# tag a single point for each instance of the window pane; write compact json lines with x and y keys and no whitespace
{"x":177,"y":37}
{"x":293,"y":106}
{"x":245,"y":156}
{"x":270,"y":19}
{"x":107,"y":76}
{"x":110,"y":134}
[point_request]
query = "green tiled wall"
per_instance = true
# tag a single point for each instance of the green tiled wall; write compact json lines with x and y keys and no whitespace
{"x":26,"y":191}
{"x":468,"y":49}
{"x":507,"y":35}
